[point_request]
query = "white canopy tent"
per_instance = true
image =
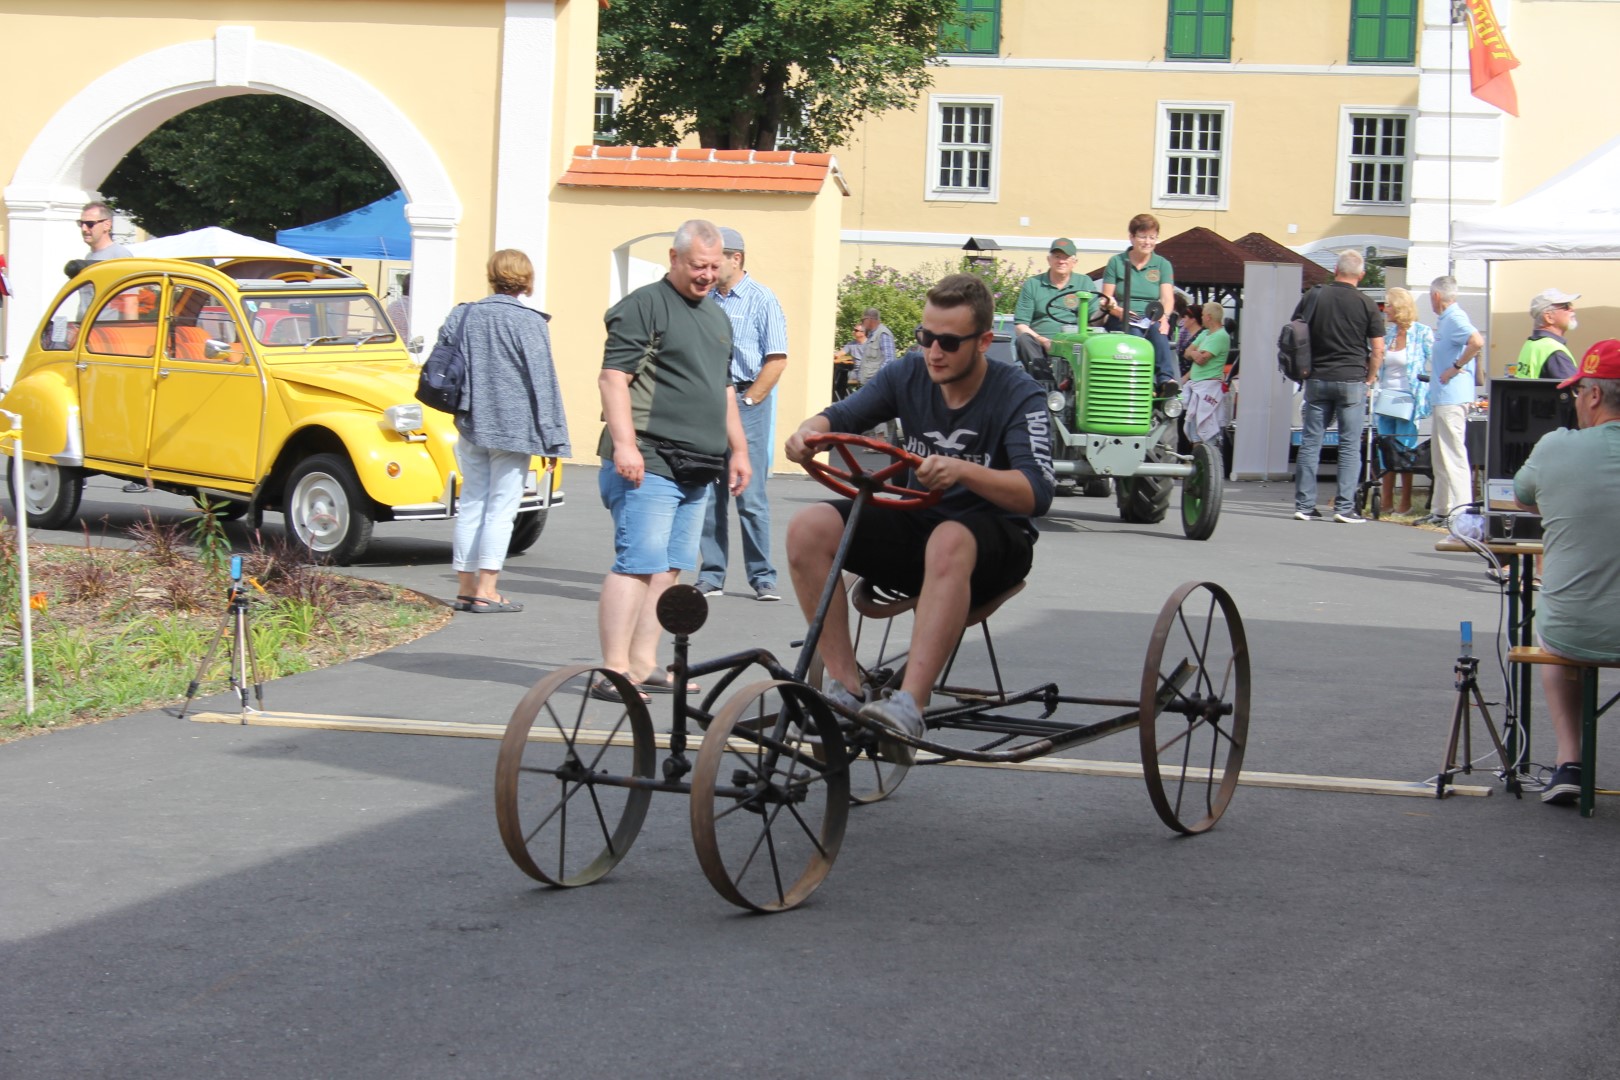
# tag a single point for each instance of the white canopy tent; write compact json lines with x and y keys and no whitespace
{"x":213,"y":243}
{"x":1575,"y":215}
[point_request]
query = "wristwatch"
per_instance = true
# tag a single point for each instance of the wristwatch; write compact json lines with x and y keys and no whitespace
{"x":748,"y":401}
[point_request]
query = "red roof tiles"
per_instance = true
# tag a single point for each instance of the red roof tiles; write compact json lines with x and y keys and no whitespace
{"x":779,"y":172}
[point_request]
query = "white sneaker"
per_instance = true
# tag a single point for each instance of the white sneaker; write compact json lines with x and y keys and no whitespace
{"x":837,"y":695}
{"x":1351,"y":518}
{"x":1313,"y":514}
{"x":899,"y":712}
{"x":841,"y":697}
{"x":712,"y":590}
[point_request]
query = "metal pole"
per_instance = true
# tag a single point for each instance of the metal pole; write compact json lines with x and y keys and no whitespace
{"x":1458,"y":13}
{"x":19,"y":484}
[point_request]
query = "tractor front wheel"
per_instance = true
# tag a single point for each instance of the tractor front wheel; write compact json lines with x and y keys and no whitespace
{"x":1144,"y":500}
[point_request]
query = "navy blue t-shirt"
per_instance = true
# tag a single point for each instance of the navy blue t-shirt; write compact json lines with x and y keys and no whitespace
{"x":1005,"y":426}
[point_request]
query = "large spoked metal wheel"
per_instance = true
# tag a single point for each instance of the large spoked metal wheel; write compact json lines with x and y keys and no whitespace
{"x":327,"y":510}
{"x":565,"y":812}
{"x":768,"y":814}
{"x":1195,"y":706}
{"x":871,"y":779}
{"x":50,"y":494}
{"x":1201,"y":493}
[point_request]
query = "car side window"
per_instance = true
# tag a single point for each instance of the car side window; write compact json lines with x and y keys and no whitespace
{"x":61,"y":331}
{"x":200,"y":327}
{"x":127,"y":323}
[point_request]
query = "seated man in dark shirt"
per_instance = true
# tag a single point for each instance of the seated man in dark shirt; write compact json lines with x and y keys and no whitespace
{"x":982,"y":432}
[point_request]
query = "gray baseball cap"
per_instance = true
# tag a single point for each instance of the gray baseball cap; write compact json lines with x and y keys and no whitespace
{"x":1547,"y":298}
{"x":731,"y":240}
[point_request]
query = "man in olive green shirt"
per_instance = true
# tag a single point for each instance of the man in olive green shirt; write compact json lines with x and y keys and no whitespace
{"x":1036,"y":315}
{"x":665,"y":383}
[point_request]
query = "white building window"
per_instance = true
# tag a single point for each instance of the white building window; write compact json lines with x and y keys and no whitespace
{"x":964,"y":148}
{"x":1375,"y":161}
{"x":1193,"y":155}
{"x":607,"y":106}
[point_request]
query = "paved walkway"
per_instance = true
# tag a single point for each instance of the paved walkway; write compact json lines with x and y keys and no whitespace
{"x":181,"y":899}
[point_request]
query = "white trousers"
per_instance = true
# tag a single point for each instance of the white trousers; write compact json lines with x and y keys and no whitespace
{"x":1453,"y":485}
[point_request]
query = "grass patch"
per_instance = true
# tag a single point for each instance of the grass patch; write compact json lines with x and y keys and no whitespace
{"x":117,"y":631}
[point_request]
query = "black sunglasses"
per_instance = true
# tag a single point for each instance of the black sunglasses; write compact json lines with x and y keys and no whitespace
{"x":88,"y":224}
{"x":947,"y":342}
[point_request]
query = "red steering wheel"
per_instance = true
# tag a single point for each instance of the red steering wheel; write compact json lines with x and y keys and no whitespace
{"x":853,"y":478}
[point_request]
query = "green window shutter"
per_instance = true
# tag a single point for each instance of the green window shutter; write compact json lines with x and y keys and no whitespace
{"x":1383,"y":31}
{"x":1199,"y":30}
{"x":981,"y":39}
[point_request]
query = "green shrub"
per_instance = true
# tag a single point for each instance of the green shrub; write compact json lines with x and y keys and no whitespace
{"x":900,"y":295}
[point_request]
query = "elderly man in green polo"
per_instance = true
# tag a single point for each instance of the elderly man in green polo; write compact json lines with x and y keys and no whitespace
{"x":1040,"y":312}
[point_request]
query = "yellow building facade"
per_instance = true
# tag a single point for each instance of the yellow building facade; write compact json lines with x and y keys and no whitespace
{"x":1070,"y":119}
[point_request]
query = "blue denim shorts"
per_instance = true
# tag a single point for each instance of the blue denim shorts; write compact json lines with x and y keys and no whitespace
{"x":655,"y":526}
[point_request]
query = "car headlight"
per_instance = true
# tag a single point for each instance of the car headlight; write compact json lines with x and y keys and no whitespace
{"x":403,"y":418}
{"x":1054,"y":402}
{"x":1172,"y":407}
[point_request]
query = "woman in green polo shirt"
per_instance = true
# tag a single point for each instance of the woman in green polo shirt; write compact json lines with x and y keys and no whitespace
{"x":1151,"y":279}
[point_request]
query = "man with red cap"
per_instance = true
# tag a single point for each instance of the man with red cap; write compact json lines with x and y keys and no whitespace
{"x":1573,"y":480}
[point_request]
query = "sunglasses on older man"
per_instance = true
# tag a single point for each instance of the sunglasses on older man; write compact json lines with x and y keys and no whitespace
{"x":92,"y":223}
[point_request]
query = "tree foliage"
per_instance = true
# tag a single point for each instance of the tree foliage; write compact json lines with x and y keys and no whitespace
{"x":254,"y":163}
{"x":736,"y":73}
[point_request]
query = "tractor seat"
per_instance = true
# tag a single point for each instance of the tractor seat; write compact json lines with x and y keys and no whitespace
{"x":876,"y":603}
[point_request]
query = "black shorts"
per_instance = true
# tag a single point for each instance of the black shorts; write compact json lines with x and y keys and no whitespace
{"x":888,"y":549}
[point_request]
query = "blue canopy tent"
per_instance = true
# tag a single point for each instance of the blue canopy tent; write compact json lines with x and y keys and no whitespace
{"x":376,"y":231}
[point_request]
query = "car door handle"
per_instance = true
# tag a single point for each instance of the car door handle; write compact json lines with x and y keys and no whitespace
{"x":163,"y":373}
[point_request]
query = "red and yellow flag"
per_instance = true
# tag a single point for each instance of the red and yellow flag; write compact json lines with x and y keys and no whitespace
{"x":1490,"y":60}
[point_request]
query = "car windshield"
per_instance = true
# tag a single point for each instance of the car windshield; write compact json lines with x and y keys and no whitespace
{"x":315,"y":321}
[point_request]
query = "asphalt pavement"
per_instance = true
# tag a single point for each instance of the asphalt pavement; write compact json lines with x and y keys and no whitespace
{"x":181,"y":899}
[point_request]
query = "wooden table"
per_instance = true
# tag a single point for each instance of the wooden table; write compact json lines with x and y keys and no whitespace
{"x":1520,"y":559}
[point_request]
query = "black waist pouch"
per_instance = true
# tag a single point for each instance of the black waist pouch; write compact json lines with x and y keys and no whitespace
{"x":691,"y":468}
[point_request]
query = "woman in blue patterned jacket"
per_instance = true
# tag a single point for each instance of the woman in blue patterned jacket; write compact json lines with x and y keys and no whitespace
{"x":512,"y":409}
{"x":1402,"y":399}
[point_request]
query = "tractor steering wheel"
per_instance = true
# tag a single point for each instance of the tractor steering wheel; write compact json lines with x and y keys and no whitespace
{"x":1065,"y":308}
{"x":851,"y":480}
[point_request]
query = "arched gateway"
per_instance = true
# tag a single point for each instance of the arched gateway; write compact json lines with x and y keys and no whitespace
{"x":91,"y":133}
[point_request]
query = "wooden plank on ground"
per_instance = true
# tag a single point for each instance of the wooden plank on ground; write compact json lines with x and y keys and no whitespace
{"x":1052,"y":765}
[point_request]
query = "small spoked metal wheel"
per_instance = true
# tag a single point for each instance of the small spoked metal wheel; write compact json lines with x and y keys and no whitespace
{"x":566,"y":798}
{"x":871,"y":779}
{"x":768,"y":813}
{"x":1195,"y":706}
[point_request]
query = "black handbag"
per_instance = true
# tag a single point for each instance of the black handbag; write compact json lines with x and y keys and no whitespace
{"x":691,"y":468}
{"x":443,"y":378}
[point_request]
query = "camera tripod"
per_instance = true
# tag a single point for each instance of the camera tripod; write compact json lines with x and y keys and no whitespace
{"x":242,"y":661}
{"x":1466,"y":677}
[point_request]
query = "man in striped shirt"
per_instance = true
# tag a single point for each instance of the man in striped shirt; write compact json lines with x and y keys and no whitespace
{"x":758,"y":355}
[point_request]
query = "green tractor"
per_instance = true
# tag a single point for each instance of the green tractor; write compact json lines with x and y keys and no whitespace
{"x":1111,"y":427}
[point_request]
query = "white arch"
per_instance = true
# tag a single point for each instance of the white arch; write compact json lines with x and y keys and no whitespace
{"x":87,"y":137}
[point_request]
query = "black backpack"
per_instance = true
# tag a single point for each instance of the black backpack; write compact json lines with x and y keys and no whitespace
{"x":1294,"y":343}
{"x":443,"y":379}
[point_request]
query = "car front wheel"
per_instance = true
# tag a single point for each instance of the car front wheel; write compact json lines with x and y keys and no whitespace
{"x":51,"y":492}
{"x":525,"y":531}
{"x":327,"y":510}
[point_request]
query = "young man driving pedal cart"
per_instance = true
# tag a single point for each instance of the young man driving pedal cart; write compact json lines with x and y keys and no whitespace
{"x":982,"y":431}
